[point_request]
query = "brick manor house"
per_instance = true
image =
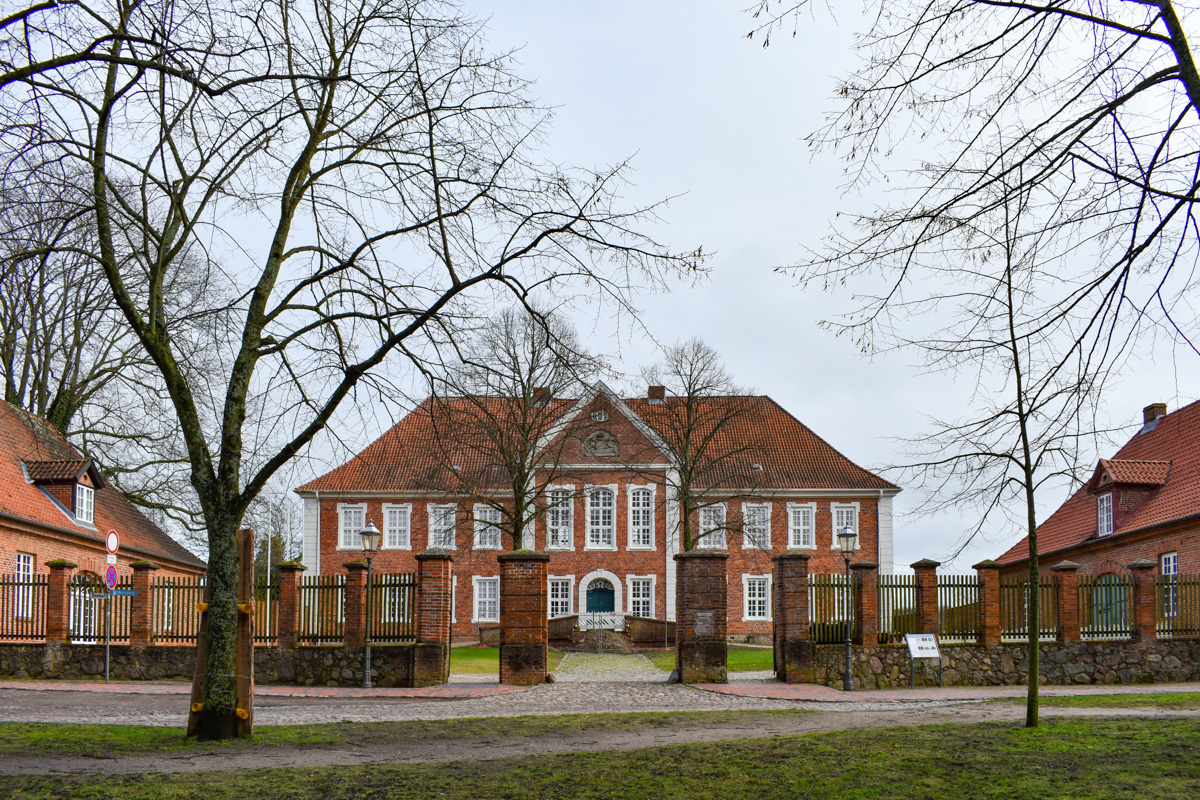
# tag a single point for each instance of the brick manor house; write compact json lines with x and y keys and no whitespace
{"x":611,"y":527}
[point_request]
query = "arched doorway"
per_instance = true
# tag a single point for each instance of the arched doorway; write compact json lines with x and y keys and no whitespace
{"x":601,"y":596}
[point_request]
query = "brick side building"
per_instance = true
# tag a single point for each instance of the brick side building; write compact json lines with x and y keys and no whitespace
{"x":613,"y":526}
{"x":55,"y":504}
{"x":1143,"y":503}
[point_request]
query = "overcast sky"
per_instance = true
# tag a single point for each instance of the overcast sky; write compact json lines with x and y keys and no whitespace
{"x":719,"y":121}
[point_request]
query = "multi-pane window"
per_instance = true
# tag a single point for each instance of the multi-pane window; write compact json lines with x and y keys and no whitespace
{"x":1104,"y":513}
{"x":352,"y":524}
{"x":1169,"y":567}
{"x":397,"y":527}
{"x":844,"y":516}
{"x":560,"y":597}
{"x":641,"y":518}
{"x":641,"y":597}
{"x":441,"y":525}
{"x":801,"y":526}
{"x":712,"y":527}
{"x":601,"y":514}
{"x":487,"y":527}
{"x":756,"y":525}
{"x":23,"y":607}
{"x":560,"y":519}
{"x":487,"y":600}
{"x":756,"y":593}
{"x":85,"y":503}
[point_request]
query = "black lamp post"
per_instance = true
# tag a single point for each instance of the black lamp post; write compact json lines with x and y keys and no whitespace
{"x":371,"y":537}
{"x":846,"y":539}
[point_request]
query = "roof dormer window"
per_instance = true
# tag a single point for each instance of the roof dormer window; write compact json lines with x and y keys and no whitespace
{"x":85,"y":503}
{"x":1104,"y":513}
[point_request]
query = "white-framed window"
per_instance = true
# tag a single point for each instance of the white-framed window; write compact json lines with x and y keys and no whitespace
{"x":756,"y":597}
{"x":85,"y":503}
{"x":487,"y":527}
{"x":442,"y":520}
{"x":560,"y":519}
{"x":802,"y":526}
{"x":560,"y":590}
{"x":756,"y":526}
{"x":350,"y":522}
{"x":641,"y":595}
{"x":1168,"y":564}
{"x":397,"y":526}
{"x":712,"y":527}
{"x":641,"y":517}
{"x":601,"y":518}
{"x":487,"y":599}
{"x":23,"y":605}
{"x":843,"y":514}
{"x":1104,"y":513}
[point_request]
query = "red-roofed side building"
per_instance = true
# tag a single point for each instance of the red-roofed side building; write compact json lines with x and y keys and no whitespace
{"x":1143,"y":503}
{"x":613,"y":536}
{"x":55,"y":504}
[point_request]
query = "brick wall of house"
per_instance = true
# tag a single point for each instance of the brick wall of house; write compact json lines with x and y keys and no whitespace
{"x":46,"y":546}
{"x":1099,"y":556}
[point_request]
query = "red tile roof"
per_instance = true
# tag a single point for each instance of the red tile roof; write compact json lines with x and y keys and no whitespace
{"x":55,"y":470}
{"x":411,"y":456}
{"x":1165,"y":455}
{"x":30,"y":439}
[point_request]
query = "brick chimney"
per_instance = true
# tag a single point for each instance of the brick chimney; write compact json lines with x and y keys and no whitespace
{"x":657,"y":394}
{"x":1153,"y":412}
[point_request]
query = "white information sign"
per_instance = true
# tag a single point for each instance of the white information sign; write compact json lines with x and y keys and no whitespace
{"x":922,"y":645}
{"x":112,"y":558}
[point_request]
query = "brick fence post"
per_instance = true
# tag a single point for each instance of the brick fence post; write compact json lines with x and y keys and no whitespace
{"x":524,"y":631}
{"x":141,"y":612}
{"x":1068,"y":600}
{"x":793,"y":650}
{"x":866,"y":611}
{"x":289,"y":604}
{"x":354,"y":633}
{"x":927,"y":599}
{"x":58,"y":601}
{"x":435,"y":583}
{"x":701,"y":617}
{"x":988,"y":576}
{"x":1143,"y":622}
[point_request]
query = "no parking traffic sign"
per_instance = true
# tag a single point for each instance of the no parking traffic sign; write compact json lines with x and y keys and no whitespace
{"x":110,"y":576}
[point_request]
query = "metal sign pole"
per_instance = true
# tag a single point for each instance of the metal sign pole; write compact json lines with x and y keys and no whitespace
{"x":107,"y":630}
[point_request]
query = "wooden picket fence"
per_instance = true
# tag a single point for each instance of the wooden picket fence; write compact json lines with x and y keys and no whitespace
{"x":1014,"y":610}
{"x":958,"y":608}
{"x":393,"y":608}
{"x":23,"y":608}
{"x":1105,"y":607}
{"x":830,"y":607}
{"x":322,"y":609}
{"x":897,"y":607}
{"x":1177,"y":605}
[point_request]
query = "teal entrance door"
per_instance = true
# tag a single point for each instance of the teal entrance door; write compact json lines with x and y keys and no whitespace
{"x":600,"y":595}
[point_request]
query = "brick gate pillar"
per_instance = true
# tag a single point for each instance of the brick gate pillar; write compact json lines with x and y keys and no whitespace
{"x":354,"y":632}
{"x":927,"y":599}
{"x":701,"y":616}
{"x":988,"y":574}
{"x":524,"y":631}
{"x":1143,"y":620}
{"x":793,"y":649}
{"x":1068,"y":600}
{"x":290,"y":573}
{"x":141,"y":612}
{"x":435,"y":584}
{"x":58,"y":601}
{"x":866,"y":611}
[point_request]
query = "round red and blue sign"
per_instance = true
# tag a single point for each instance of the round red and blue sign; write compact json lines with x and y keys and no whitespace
{"x":110,"y":576}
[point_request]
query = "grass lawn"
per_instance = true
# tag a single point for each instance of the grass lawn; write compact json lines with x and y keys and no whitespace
{"x":98,"y":741}
{"x":742,"y":658}
{"x":1182,"y":700}
{"x":1101,"y":758}
{"x":475,"y":659}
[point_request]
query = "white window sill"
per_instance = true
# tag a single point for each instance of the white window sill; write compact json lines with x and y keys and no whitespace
{"x":489,"y":547}
{"x":755,"y":619}
{"x":801,"y":547}
{"x":397,"y":547}
{"x":642,"y":547}
{"x":603,"y":548}
{"x":557,"y":548}
{"x":485,"y":622}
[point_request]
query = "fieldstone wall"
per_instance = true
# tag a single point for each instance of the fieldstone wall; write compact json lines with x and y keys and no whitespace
{"x":391,"y":665}
{"x":979,"y":665}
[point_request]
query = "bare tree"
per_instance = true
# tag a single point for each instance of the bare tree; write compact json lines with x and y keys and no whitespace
{"x":360,"y":173}
{"x":705,"y":420}
{"x":497,"y":413}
